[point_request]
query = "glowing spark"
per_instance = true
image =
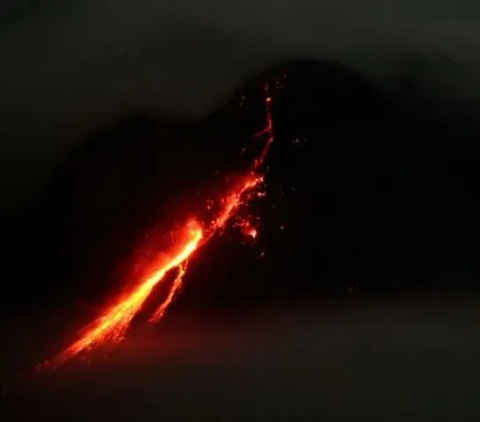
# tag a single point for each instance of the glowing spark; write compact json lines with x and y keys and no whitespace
{"x":113,"y":323}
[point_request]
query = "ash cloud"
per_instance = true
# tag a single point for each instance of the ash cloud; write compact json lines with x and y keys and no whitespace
{"x":67,"y":69}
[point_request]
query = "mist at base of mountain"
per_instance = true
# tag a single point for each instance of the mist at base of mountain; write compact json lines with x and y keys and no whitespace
{"x":396,"y":359}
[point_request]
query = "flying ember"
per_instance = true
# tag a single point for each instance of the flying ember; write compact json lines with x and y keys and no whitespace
{"x":112,"y":324}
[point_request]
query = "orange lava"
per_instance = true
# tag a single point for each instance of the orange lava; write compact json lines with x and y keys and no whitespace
{"x":112,"y":324}
{"x":115,"y":320}
{"x":176,"y":286}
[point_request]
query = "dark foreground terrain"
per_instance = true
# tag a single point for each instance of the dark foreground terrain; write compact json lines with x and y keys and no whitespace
{"x":400,"y":359}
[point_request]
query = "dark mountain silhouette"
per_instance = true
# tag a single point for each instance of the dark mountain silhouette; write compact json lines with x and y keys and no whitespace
{"x":361,"y":189}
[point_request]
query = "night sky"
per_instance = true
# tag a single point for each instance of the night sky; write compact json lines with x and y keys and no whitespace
{"x":69,"y":66}
{"x":359,"y":296}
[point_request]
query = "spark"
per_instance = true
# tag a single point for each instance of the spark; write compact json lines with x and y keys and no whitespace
{"x":112,"y":325}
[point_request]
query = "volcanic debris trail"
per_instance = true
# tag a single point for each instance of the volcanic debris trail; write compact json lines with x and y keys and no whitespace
{"x":111,"y":326}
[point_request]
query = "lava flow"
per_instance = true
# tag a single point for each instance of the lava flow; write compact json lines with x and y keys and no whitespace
{"x":112,"y":324}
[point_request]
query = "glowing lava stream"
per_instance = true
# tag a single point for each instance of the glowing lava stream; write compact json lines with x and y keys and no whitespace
{"x":113,"y":323}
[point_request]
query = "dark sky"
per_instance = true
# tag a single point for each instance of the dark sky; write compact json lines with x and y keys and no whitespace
{"x":69,"y":66}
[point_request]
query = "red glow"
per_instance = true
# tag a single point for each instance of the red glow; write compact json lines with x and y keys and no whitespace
{"x":247,"y":227}
{"x":176,"y":286}
{"x":114,"y":321}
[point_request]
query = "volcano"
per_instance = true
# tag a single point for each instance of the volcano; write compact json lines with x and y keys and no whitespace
{"x":358,"y":188}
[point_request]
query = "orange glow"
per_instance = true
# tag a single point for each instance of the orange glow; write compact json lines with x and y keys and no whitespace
{"x":112,"y":324}
{"x":176,"y":286}
{"x":247,"y":228}
{"x":233,"y":201}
